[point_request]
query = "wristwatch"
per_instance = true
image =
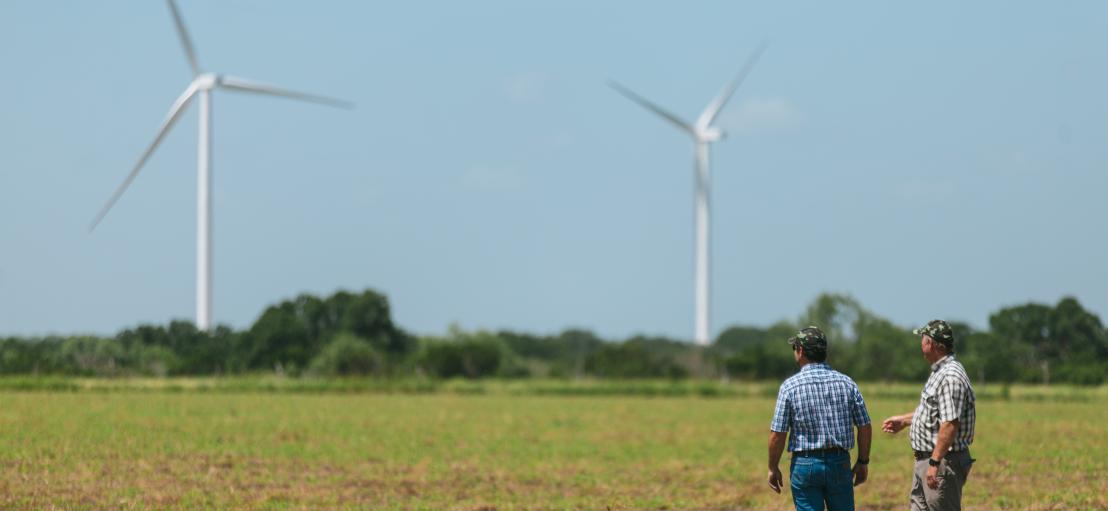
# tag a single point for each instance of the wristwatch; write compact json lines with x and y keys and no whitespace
{"x":933,"y":462}
{"x":862,"y":461}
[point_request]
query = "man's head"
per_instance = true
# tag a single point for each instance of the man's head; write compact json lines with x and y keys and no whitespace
{"x":810,"y":343}
{"x":936,"y":339}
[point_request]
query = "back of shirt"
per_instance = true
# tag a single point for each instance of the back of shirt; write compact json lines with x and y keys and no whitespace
{"x":819,"y":407}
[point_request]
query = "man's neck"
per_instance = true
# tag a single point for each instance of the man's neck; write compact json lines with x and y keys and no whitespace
{"x":936,"y":358}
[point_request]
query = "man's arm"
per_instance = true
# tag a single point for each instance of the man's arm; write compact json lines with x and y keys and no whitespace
{"x":776,"y":447}
{"x":782,"y":422}
{"x":897,"y":422}
{"x":861,"y":470}
{"x":947,"y":430}
{"x":951,"y":398}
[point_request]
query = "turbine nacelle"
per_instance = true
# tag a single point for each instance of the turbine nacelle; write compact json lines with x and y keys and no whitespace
{"x":206,"y":81}
{"x":710,"y":134}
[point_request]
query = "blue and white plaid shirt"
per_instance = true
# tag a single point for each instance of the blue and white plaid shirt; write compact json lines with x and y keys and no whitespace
{"x":819,"y":405}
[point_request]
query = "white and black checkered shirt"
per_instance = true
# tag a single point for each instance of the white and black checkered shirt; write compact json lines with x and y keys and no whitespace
{"x":947,"y":396}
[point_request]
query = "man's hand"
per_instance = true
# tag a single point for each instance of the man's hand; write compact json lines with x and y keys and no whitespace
{"x":894,"y":424}
{"x":776,"y":447}
{"x":933,"y":477}
{"x":861,"y":473}
{"x":775,"y":479}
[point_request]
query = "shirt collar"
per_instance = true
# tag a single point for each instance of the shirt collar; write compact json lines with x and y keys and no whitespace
{"x":815,"y":365}
{"x":940,"y":362}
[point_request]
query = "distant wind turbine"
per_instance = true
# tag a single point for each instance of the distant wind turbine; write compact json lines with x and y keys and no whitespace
{"x":703,"y":133}
{"x":202,"y":84}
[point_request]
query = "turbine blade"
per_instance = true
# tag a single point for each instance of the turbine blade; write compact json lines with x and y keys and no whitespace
{"x":174,"y":114}
{"x":709,"y":115}
{"x":240,"y":84}
{"x":677,"y":121}
{"x":184,"y":35}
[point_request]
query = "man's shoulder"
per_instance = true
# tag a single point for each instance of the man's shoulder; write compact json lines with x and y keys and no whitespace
{"x":792,"y":381}
{"x":839,"y":375}
{"x":953,"y":373}
{"x":953,"y":367}
{"x":798,"y":380}
{"x":822,"y":373}
{"x":847,"y":378}
{"x":830,"y":374}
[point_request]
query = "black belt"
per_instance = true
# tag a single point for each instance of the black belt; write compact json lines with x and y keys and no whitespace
{"x":820,"y":452}
{"x":926,"y":455}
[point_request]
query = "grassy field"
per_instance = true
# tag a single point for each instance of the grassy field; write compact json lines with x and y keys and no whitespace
{"x":493,"y":448}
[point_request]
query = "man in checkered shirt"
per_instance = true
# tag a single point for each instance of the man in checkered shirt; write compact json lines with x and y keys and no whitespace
{"x":820,"y":407}
{"x":942,"y":425}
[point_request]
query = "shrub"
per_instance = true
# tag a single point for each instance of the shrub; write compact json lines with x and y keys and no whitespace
{"x":347,"y":355}
{"x":467,"y":355}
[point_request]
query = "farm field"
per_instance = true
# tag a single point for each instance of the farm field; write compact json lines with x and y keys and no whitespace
{"x":134,"y":449}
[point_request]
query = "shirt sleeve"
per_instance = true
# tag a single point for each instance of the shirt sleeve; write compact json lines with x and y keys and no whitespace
{"x":858,"y":412}
{"x":951,"y":396}
{"x":782,"y":413}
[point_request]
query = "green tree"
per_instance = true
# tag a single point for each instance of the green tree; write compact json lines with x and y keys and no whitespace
{"x":882,"y":351}
{"x":633,"y":359}
{"x":840,"y":316}
{"x":1050,"y":344}
{"x":738,"y":338}
{"x":293,"y":332}
{"x":772,"y":358}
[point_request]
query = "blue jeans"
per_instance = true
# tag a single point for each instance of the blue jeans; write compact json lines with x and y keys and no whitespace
{"x":822,"y":480}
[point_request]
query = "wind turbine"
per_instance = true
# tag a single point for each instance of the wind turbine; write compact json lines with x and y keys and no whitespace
{"x":202,"y":85}
{"x":703,"y":134}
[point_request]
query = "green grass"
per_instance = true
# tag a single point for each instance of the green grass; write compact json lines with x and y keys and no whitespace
{"x":261,"y":383}
{"x":492,"y":446}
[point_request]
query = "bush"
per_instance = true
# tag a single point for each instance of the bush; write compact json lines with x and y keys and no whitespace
{"x":475,"y":355}
{"x":1089,"y":373}
{"x":154,"y":360}
{"x":765,"y":361}
{"x":632,"y":360}
{"x":347,"y":355}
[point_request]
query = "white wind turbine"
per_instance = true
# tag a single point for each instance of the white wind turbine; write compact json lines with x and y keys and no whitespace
{"x":202,"y":84}
{"x":703,"y":134}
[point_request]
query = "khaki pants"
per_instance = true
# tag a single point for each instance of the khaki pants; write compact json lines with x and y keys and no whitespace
{"x":953,"y":471}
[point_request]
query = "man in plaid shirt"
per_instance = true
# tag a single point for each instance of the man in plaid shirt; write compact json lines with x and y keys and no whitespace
{"x":942,"y":425}
{"x":820,"y":407}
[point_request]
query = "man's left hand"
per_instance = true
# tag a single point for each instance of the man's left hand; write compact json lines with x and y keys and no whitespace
{"x":933,"y":477}
{"x":775,"y":481}
{"x":861,"y":473}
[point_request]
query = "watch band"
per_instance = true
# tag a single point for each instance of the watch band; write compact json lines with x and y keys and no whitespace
{"x":933,"y":462}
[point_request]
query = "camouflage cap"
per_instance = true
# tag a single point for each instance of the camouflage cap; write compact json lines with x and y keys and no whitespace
{"x":938,"y":330}
{"x":810,"y":338}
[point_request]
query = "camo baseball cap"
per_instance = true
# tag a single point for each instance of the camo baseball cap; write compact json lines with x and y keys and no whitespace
{"x":938,"y":330}
{"x":810,"y":338}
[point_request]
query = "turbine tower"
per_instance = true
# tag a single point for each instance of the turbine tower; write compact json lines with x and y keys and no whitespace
{"x":202,"y":85}
{"x":703,"y":134}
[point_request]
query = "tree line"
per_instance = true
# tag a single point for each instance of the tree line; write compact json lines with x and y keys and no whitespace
{"x":352,"y":334}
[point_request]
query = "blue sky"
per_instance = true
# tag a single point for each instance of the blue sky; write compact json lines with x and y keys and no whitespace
{"x":938,"y":160}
